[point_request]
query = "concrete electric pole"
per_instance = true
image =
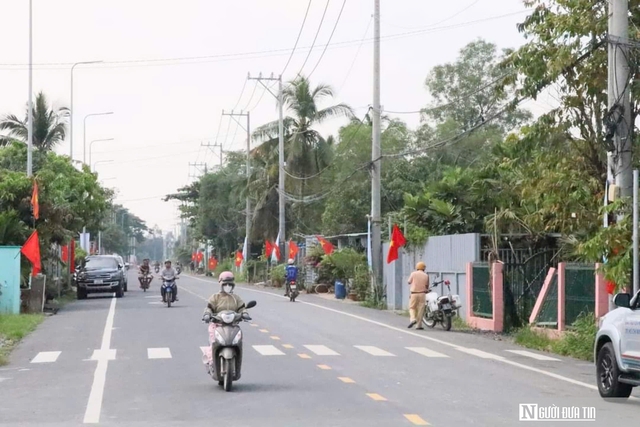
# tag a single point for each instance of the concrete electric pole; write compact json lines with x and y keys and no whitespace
{"x":376,"y":220}
{"x":248,"y":165}
{"x":281,"y":193}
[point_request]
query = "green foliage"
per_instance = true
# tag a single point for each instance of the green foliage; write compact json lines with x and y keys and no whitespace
{"x":577,"y":342}
{"x":277,"y":275}
{"x":13,"y":328}
{"x":341,"y":265}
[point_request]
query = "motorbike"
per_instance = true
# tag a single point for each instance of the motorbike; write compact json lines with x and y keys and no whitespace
{"x":226,"y":350}
{"x":146,"y":280}
{"x":179,"y":269}
{"x":157,"y":269}
{"x":441,"y":309}
{"x":169,"y":288}
{"x":293,"y":291}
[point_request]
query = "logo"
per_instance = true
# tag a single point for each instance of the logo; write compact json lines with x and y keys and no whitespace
{"x":535,"y":412}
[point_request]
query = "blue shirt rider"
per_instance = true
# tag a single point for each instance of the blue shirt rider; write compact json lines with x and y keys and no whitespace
{"x":292,"y":275}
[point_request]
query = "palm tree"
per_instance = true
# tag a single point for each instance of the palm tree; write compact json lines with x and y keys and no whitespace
{"x":49,"y":126}
{"x":307,"y":152}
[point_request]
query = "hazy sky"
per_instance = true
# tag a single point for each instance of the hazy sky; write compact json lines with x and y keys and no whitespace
{"x":170,"y":68}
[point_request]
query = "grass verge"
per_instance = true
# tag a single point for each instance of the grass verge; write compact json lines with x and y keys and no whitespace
{"x":14,"y":327}
{"x":577,"y":342}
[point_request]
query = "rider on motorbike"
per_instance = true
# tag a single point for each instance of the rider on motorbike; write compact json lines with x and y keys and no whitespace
{"x":169,"y":273}
{"x":145,"y":269}
{"x":291,"y":275}
{"x":223,"y":300}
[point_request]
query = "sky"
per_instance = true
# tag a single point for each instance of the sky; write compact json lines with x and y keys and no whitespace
{"x":171,"y":67}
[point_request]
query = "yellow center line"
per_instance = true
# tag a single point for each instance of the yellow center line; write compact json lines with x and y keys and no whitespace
{"x":346,"y":380}
{"x":376,"y":397}
{"x":273,"y":337}
{"x":287,"y":345}
{"x":264,"y":330}
{"x":304,"y":356}
{"x":416,"y":420}
{"x":325,"y":367}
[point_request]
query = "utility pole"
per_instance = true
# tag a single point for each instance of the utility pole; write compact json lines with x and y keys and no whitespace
{"x":376,"y":220}
{"x":212,"y":146}
{"x":248,"y":164}
{"x":30,"y":106}
{"x":281,"y":199}
{"x":198,"y":167}
{"x":619,"y":94}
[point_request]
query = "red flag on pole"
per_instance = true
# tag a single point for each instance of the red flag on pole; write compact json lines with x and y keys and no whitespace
{"x":199,"y":256}
{"x":31,"y":250}
{"x":327,"y":247}
{"x":239,"y":258}
{"x":268,"y":247}
{"x":397,"y":241}
{"x":293,"y":249}
{"x":64,"y":256}
{"x":193,"y":256}
{"x":34,"y":201}
{"x":213,"y":263}
{"x":72,"y":256}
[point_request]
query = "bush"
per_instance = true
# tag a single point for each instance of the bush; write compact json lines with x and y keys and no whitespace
{"x":277,"y":275}
{"x":577,"y":342}
{"x":342,"y":265}
{"x":256,"y":270}
{"x":224,"y":265}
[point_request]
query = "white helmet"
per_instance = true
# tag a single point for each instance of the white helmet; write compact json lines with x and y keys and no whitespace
{"x":290,"y":262}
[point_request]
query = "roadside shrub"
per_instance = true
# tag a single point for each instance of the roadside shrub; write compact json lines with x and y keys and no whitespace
{"x":341,"y":265}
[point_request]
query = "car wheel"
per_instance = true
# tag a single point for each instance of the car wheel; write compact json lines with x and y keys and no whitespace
{"x":120,"y":291}
{"x":126,"y":286}
{"x":607,"y":374}
{"x":81,"y":293}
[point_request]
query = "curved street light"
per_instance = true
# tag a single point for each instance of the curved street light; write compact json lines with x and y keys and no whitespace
{"x":96,"y":140}
{"x":84,"y":134}
{"x":71,"y":109}
{"x":100,"y":161}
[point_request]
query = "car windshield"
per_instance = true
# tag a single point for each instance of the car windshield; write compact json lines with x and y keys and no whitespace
{"x":99,"y":263}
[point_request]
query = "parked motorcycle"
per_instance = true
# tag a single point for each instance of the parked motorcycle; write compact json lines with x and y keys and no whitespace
{"x":293,"y":291}
{"x":146,"y":280}
{"x":441,"y":309}
{"x":169,"y":289}
{"x":226,"y":350}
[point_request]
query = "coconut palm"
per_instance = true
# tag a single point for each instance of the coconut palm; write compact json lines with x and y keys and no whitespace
{"x":49,"y":125}
{"x":307,"y":152}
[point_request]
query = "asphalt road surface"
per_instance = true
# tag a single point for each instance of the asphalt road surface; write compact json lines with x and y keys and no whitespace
{"x":134,"y":362}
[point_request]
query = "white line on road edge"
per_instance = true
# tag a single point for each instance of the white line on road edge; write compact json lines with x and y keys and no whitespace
{"x":393,"y":328}
{"x":94,"y":405}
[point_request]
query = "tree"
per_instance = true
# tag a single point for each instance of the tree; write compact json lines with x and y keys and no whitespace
{"x":49,"y":126}
{"x":307,"y":151}
{"x":467,"y":93}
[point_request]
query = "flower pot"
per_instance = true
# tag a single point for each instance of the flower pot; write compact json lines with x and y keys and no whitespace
{"x":353,"y":296}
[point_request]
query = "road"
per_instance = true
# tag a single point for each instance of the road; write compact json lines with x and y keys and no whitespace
{"x":316,"y":362}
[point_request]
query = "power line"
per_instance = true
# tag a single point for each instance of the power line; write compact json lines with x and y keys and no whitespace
{"x":329,"y":41}
{"x":254,"y":54}
{"x":297,"y":39}
{"x":355,"y":58}
{"x":316,"y":37}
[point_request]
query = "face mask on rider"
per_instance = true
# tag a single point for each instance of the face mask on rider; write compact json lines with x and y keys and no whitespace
{"x":228,"y":289}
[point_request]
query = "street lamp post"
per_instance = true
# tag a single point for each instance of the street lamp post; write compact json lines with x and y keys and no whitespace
{"x":84,"y":134}
{"x":91,"y":145}
{"x":100,"y":161}
{"x":71,"y":109}
{"x":30,"y":106}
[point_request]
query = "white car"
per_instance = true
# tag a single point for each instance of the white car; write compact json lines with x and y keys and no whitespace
{"x":617,"y":348}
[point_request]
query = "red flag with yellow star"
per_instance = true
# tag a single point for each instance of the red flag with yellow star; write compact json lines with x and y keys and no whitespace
{"x":397,"y":241}
{"x":239,"y":258}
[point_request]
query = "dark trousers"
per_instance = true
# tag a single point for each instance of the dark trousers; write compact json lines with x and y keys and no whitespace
{"x":175,"y":292}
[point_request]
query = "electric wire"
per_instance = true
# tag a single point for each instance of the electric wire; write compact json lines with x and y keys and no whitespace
{"x":304,"y":20}
{"x":315,"y":38}
{"x":344,"y":2}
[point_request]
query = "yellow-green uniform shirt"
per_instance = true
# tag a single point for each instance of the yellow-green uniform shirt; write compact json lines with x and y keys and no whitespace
{"x":224,"y":301}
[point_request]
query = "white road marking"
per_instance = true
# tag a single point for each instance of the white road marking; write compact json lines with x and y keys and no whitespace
{"x":46,"y":357}
{"x":151,"y":296}
{"x":533,"y":355}
{"x":156,"y":302}
{"x":414,"y":334}
{"x":321,"y":350}
{"x":108,"y":354}
{"x":4,"y":379}
{"x":159,"y":353}
{"x":94,"y":405}
{"x":480,"y":353}
{"x":426,"y":352}
{"x":374,"y":351}
{"x":268,"y":350}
